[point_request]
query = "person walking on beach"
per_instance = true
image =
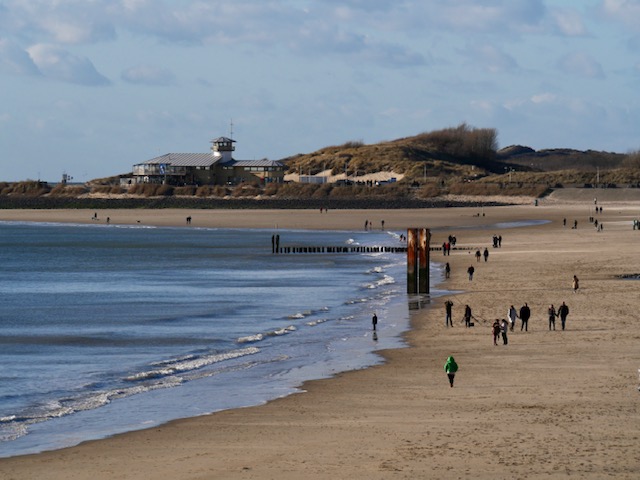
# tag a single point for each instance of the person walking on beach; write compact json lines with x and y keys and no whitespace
{"x":486,"y":254}
{"x":448,"y":306}
{"x":495,"y":329}
{"x":563,"y":311}
{"x":451,"y":367}
{"x":513,"y":315}
{"x":552,"y":317}
{"x":525,"y":313}
{"x":478,"y":255}
{"x":504,"y":328}
{"x":374,"y":321}
{"x":576,"y":284}
{"x":470,"y":271}
{"x":447,"y":270}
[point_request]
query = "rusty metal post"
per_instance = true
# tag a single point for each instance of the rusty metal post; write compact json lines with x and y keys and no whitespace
{"x":424,"y":235}
{"x":412,"y":265}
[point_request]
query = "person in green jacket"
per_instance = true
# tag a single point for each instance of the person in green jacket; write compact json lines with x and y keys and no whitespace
{"x":451,"y":367}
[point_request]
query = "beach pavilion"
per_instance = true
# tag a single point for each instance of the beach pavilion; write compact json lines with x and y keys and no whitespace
{"x":215,"y":168}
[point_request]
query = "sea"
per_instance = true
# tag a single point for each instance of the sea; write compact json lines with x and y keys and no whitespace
{"x":106,"y":329}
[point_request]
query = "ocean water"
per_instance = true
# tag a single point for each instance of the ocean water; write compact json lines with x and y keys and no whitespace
{"x":107,"y":329}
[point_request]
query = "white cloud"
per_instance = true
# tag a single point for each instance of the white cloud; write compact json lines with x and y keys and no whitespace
{"x":569,"y":22}
{"x":149,"y":75}
{"x":491,"y":58}
{"x":57,"y":63}
{"x":69,"y":21}
{"x":581,"y":64}
{"x":626,"y":12}
{"x":543,"y":98}
{"x":14,"y":60}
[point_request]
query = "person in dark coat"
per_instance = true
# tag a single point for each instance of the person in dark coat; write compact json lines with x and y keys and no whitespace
{"x":552,"y":317}
{"x":563,"y":311}
{"x":525,"y":314}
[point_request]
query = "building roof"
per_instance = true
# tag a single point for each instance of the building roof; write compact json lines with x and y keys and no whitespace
{"x":184,"y":160}
{"x":258,"y":163}
{"x":207,"y":160}
{"x":222,"y":140}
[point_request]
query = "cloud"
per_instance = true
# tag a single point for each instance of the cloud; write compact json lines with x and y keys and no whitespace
{"x":569,"y":22}
{"x":57,"y":63}
{"x":67,"y":22}
{"x":626,"y":12}
{"x":474,"y":16}
{"x":581,"y":64}
{"x":491,"y":58}
{"x":14,"y":60}
{"x":149,"y":75}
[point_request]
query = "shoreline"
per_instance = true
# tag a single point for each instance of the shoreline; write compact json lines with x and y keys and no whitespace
{"x":400,"y":418}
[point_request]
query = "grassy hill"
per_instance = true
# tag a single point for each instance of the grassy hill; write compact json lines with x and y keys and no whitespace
{"x":460,"y":160}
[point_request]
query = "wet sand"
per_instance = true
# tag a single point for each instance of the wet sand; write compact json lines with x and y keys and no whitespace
{"x":550,"y":404}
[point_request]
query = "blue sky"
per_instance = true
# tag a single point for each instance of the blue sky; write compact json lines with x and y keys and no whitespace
{"x":91,"y":87}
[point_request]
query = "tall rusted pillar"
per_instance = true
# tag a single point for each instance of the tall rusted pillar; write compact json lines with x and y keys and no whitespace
{"x":412,"y":265}
{"x":418,"y":260}
{"x":424,"y":236}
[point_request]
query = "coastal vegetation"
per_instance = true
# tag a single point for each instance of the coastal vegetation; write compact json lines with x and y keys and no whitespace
{"x":453,"y":161}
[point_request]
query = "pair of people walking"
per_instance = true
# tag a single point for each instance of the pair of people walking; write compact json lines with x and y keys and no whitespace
{"x":563,"y":313}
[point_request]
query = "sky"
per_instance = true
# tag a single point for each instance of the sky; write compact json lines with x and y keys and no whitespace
{"x":89,"y":88}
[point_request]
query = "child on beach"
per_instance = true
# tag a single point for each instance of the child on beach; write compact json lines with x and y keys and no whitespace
{"x":495,"y":329}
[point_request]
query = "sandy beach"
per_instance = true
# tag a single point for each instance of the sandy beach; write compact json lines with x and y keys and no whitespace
{"x":550,"y":404}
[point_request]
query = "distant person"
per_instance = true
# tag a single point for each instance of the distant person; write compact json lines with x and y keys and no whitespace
{"x":486,"y":254}
{"x":478,"y":255}
{"x":525,"y":314}
{"x":576,"y":284}
{"x":467,"y":316}
{"x":504,"y":328}
{"x":513,"y":315}
{"x":366,"y":225}
{"x":499,"y":241}
{"x":470,"y":271}
{"x":444,"y":249}
{"x":495,"y":330}
{"x":451,"y":367}
{"x":575,"y":224}
{"x":564,"y":222}
{"x":374,"y":321}
{"x":552,"y":317}
{"x":382,"y":224}
{"x":563,"y":312}
{"x":188,"y":220}
{"x":448,"y":307}
{"x":108,"y":219}
{"x":447,"y":270}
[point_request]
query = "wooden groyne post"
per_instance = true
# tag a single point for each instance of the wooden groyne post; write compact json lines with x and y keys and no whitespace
{"x":418,"y":260}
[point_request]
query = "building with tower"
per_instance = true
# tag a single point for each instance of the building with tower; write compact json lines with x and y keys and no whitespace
{"x":215,"y":168}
